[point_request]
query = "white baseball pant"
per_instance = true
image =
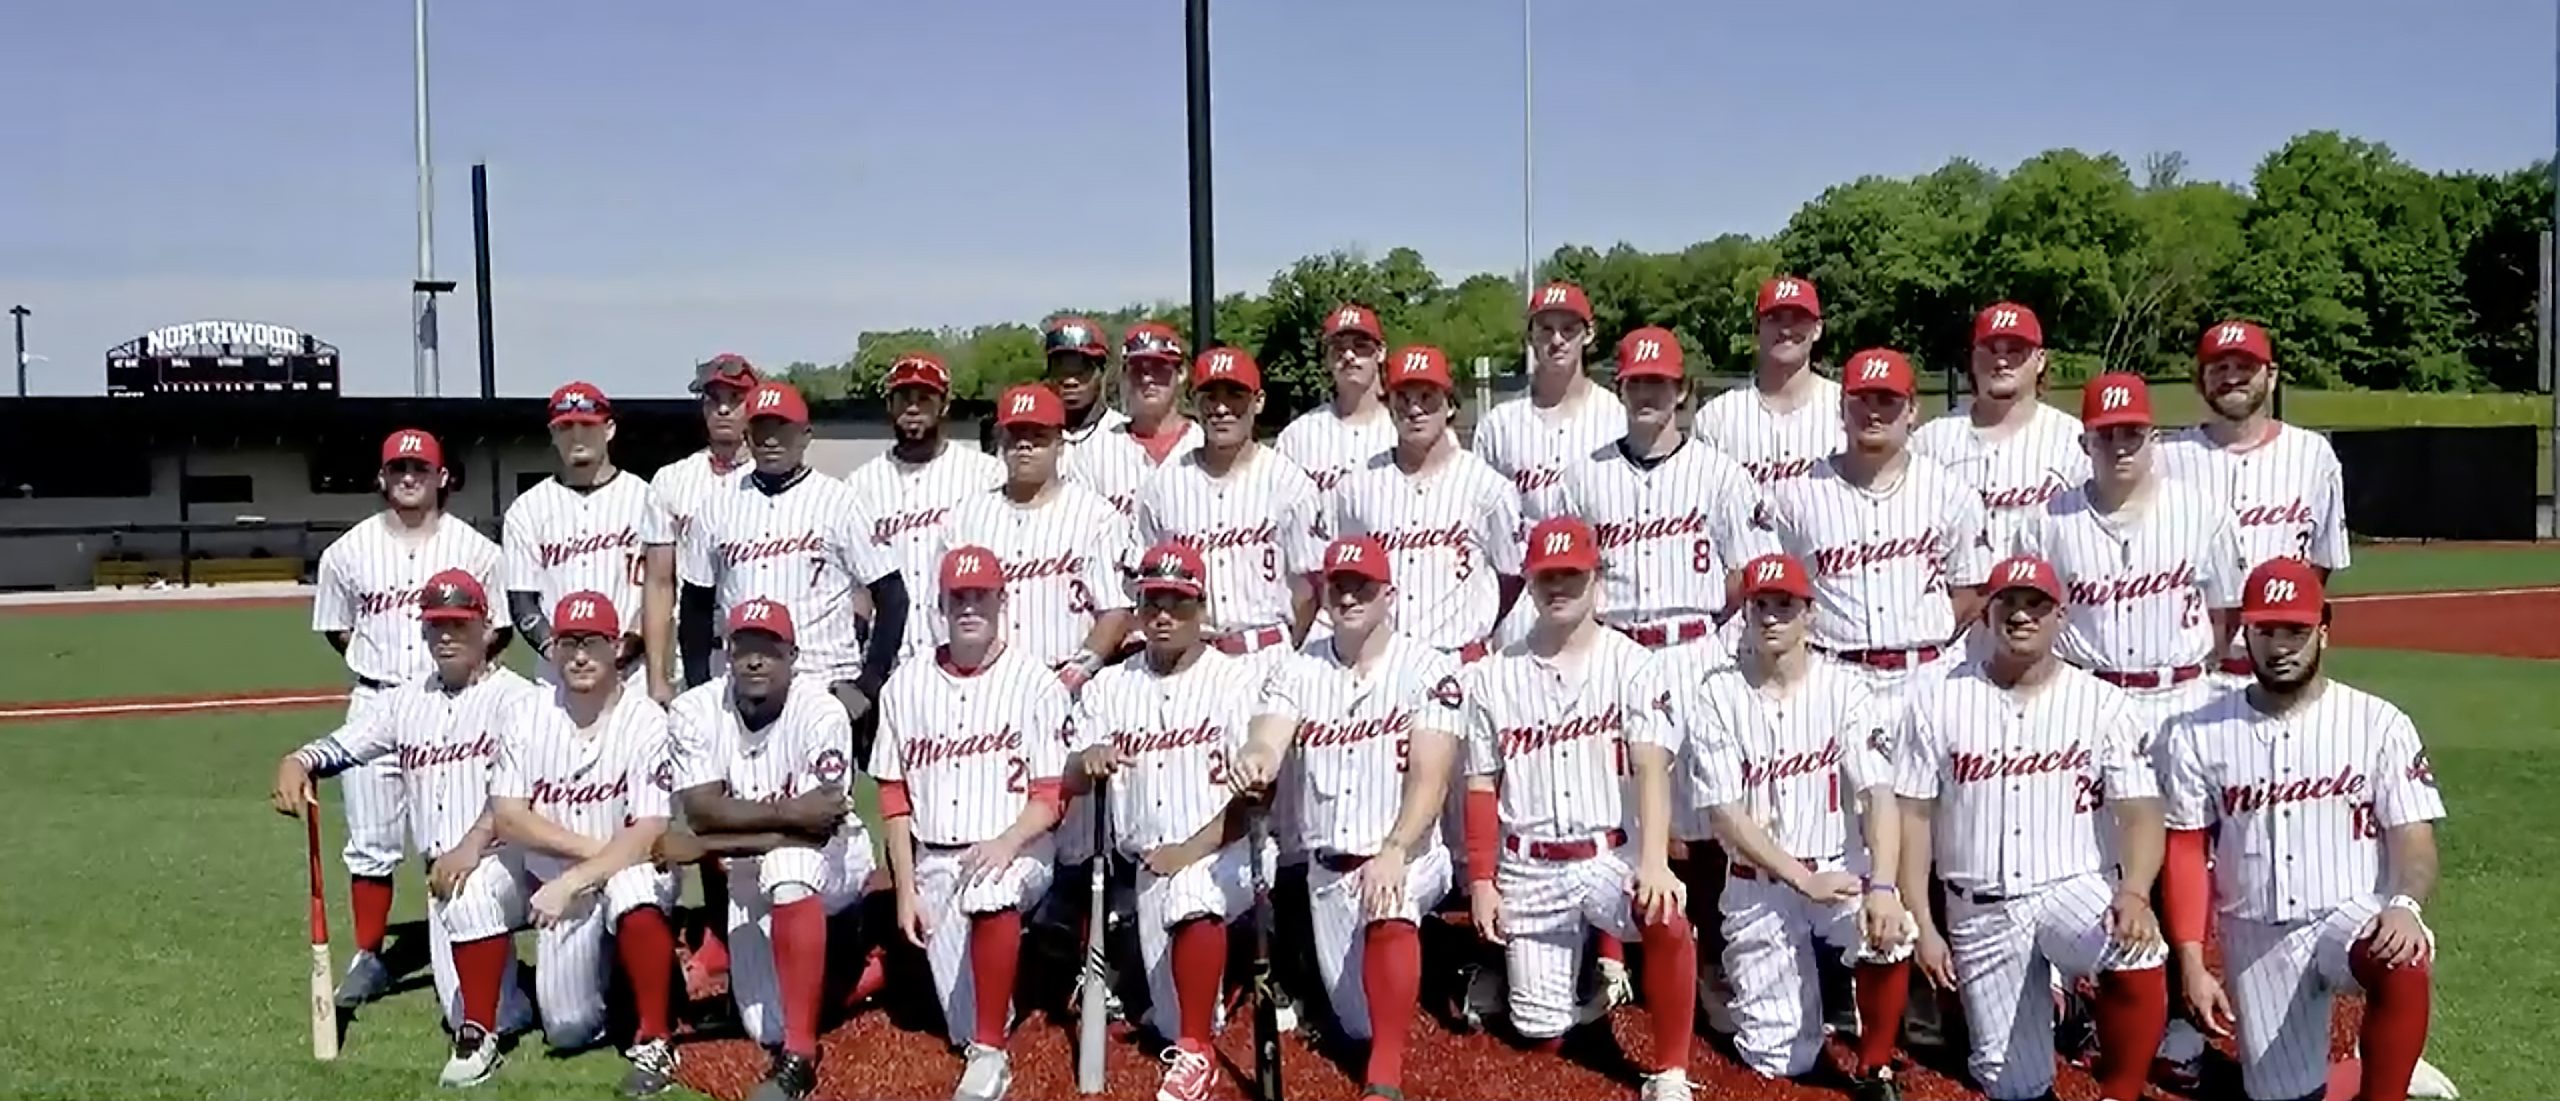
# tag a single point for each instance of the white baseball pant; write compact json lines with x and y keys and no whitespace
{"x":576,"y":964}
{"x":377,"y":802}
{"x":836,"y":874}
{"x":1333,"y":897}
{"x":2281,"y":979}
{"x":1545,"y":906}
{"x":2006,"y":953}
{"x":1769,"y":930}
{"x":1220,"y":887}
{"x":947,"y":902}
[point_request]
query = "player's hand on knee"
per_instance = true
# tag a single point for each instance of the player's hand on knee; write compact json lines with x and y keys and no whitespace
{"x":292,"y":790}
{"x":1660,"y":896}
{"x":552,"y":902}
{"x":1886,"y":924}
{"x":445,"y":876}
{"x":2207,"y":1002}
{"x":2398,"y":938}
{"x":988,"y":859}
{"x":2131,"y":924}
{"x":1165,"y":860}
{"x":1936,"y":961}
{"x":1830,"y":888}
{"x":1485,"y":906}
{"x":911,"y":918}
{"x":1382,"y":884}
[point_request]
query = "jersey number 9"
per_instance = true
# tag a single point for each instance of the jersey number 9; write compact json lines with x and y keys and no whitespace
{"x":1270,"y":562}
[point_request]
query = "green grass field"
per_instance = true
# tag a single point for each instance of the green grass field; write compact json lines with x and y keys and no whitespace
{"x":155,"y":944}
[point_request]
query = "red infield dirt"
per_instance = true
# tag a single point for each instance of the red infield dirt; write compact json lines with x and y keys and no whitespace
{"x":2518,"y":623}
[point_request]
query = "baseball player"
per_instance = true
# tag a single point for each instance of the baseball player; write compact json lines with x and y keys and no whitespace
{"x":676,"y":493}
{"x":1332,"y":441}
{"x":2283,"y":485}
{"x":1116,"y":459}
{"x":1164,"y":727}
{"x":1450,"y":521}
{"x":763,"y":758}
{"x":1896,"y":543}
{"x":792,"y":535}
{"x":2014,"y":449}
{"x":1569,"y":744}
{"x":579,"y":531}
{"x":366,"y":605}
{"x":1372,"y":717}
{"x":442,"y":730}
{"x":582,"y":790}
{"x":908,"y":492}
{"x":971,"y":746}
{"x":1782,"y":424}
{"x":1077,"y":360}
{"x":2326,"y":854}
{"x":1792,"y":762}
{"x":1528,"y":439}
{"x":2007,"y":771}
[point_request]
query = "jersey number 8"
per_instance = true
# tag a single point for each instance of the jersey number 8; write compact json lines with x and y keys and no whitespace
{"x":1702,"y":557}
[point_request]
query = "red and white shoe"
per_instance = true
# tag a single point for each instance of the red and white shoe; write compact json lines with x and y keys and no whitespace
{"x":1188,"y":1073}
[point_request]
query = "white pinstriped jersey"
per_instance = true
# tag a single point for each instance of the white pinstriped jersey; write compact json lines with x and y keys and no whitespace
{"x":1558,"y":736}
{"x":1176,"y":735}
{"x":2142,"y":582}
{"x":2015,"y":473}
{"x":2020,"y":783}
{"x":371,"y":580}
{"x":1328,"y":447}
{"x":1064,"y":556}
{"x":2303,"y":798}
{"x":446,"y":743}
{"x":1104,"y":420}
{"x":907,"y":506}
{"x":1354,"y":736}
{"x":677,"y":491}
{"x":1255,"y":527}
{"x":1882,"y":563}
{"x":2287,"y":494}
{"x":1531,"y":446}
{"x":809,"y":746}
{"x":1669,"y":534}
{"x":969,"y":746}
{"x":806,"y":548}
{"x":1774,"y":447}
{"x":590,"y":782}
{"x":1453,"y":534}
{"x":560,"y":541}
{"x":1796,"y":763}
{"x":1111,"y":462}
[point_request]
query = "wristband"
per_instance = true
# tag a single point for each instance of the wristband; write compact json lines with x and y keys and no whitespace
{"x":1875,"y":888}
{"x":2406,"y":903}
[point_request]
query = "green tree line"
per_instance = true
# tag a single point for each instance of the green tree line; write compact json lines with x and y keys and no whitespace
{"x":2367,"y":272}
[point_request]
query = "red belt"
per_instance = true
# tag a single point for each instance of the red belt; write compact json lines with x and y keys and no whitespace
{"x":2151,"y":678}
{"x":1744,"y":869}
{"x":1246,"y":642}
{"x":2239,"y":667}
{"x":1889,"y":659}
{"x":1658,"y":635}
{"x":1583,"y":849}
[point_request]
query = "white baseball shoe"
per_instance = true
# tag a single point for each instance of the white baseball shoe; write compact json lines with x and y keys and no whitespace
{"x":986,"y":1077}
{"x":1670,"y":1085}
{"x":475,"y":1057}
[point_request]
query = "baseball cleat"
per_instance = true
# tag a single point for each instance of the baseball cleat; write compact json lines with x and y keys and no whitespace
{"x":1188,"y":1074}
{"x":2427,"y":1081}
{"x":1877,"y":1085}
{"x":794,"y":1078}
{"x":987,"y":1075}
{"x":653,"y":1069}
{"x":1620,"y":985}
{"x":367,"y":979}
{"x":1669,"y":1085}
{"x":475,"y":1057}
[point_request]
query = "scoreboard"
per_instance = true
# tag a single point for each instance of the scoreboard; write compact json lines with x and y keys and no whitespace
{"x":223,"y":357}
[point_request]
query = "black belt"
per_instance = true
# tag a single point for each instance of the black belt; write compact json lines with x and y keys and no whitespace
{"x":376,"y":685}
{"x":1978,"y":898}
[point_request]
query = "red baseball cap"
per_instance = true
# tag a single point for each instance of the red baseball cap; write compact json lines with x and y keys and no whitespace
{"x":412,"y":445}
{"x":453,"y":595}
{"x":1359,"y":556}
{"x":586,"y":613}
{"x":2026,"y":571}
{"x":1788,"y":292}
{"x":1353,"y":318}
{"x":1877,"y":370}
{"x":2285,"y":591}
{"x":1649,"y":352}
{"x":1419,"y":365}
{"x":1034,"y":405}
{"x":1232,"y":366}
{"x":1076,"y":335}
{"x":920,"y":369}
{"x":1172,"y":568}
{"x":1151,"y":341}
{"x":2008,"y":319}
{"x":777,"y":399}
{"x":1561,"y":543}
{"x":725,"y":369}
{"x":1561,"y":297}
{"x":2235,"y":337}
{"x":1782,"y":574}
{"x":580,"y":403}
{"x":2114,"y":398}
{"x":971,"y":569}
{"x":770,"y":617}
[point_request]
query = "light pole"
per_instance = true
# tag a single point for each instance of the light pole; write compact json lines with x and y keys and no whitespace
{"x":1528,"y":158}
{"x":1204,"y":272}
{"x":18,"y":317}
{"x":423,"y":291}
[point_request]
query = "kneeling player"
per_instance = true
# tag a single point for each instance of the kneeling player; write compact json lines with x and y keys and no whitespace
{"x":443,"y":729}
{"x":1795,"y":769}
{"x":1568,"y":821}
{"x":1372,"y":716}
{"x":970,"y":747}
{"x":1162,"y":728}
{"x":762,"y":761}
{"x":583,"y":789}
{"x":2327,"y":807}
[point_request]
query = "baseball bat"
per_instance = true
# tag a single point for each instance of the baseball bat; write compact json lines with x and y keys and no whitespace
{"x":324,"y":1008}
{"x":1093,"y":1006}
{"x":1266,"y":1002}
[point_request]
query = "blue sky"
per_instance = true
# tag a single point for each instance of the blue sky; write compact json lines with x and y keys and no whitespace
{"x":674,"y":179}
